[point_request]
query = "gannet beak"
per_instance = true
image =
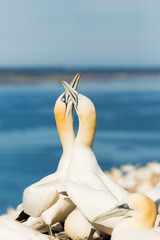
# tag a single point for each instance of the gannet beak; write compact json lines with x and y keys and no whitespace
{"x":72,"y":93}
{"x":115,"y":212}
{"x":74,"y":85}
{"x":75,"y":81}
{"x":66,"y":98}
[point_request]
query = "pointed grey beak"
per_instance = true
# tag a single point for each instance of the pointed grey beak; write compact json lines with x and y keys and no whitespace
{"x":72,"y":93}
{"x":74,"y":85}
{"x":115,"y":212}
{"x":75,"y":81}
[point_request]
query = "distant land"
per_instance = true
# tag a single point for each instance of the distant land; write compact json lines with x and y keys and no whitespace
{"x":28,"y":75}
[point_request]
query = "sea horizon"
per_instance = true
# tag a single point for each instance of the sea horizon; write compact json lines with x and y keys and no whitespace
{"x":44,"y":74}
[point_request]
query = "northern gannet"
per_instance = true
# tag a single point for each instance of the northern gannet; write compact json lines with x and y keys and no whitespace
{"x":45,"y":199}
{"x":140,"y":215}
{"x":92,"y":191}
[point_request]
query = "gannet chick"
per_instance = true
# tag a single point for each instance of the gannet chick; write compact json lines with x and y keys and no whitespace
{"x":87,"y":185}
{"x":140,"y":215}
{"x":45,"y":198}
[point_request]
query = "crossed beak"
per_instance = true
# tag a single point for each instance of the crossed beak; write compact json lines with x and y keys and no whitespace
{"x":67,"y":97}
{"x":73,"y":94}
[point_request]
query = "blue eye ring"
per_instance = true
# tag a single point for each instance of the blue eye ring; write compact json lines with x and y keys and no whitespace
{"x":63,"y":99}
{"x":125,"y":205}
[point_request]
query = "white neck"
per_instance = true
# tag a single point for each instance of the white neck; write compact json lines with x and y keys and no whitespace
{"x":67,"y":152}
{"x":87,"y":122}
{"x":83,"y":159}
{"x":65,"y":127}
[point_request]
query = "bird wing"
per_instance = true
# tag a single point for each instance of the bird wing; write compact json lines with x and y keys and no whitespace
{"x":37,"y":199}
{"x":59,"y":211}
{"x":89,"y":200}
{"x":50,"y":178}
{"x":118,"y":192}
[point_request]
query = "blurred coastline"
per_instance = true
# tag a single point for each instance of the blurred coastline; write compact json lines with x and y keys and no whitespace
{"x":35,"y":75}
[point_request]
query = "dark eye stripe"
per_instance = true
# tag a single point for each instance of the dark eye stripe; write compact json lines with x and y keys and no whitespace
{"x":73,"y":84}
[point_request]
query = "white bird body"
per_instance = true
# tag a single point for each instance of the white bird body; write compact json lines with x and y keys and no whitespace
{"x":87,"y":185}
{"x":31,"y":203}
{"x":88,"y":191}
{"x":44,"y":198}
{"x":42,"y":195}
{"x":45,"y":195}
{"x":58,"y":211}
{"x":138,"y":234}
{"x":11,"y":229}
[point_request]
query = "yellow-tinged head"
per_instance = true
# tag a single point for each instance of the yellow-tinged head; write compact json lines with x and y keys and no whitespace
{"x":86,"y":114}
{"x":138,"y":209}
{"x":63,"y":112}
{"x":87,"y":121}
{"x":145,"y":208}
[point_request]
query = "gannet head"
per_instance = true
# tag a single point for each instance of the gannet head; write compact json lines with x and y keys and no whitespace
{"x":63,"y":113}
{"x":138,"y":209}
{"x":86,"y":114}
{"x":64,"y":103}
{"x":63,"y":107}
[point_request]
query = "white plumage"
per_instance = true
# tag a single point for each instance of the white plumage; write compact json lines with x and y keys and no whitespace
{"x":140,"y":215}
{"x":11,"y":229}
{"x":44,"y":199}
{"x":89,"y":188}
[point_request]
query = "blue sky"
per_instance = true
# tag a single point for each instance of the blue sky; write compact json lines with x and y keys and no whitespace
{"x":80,"y":33}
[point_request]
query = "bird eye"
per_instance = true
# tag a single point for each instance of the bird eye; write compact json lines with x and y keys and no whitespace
{"x":125,"y":205}
{"x":63,"y":99}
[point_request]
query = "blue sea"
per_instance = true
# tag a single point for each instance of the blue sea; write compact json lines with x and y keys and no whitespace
{"x":128,"y":130}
